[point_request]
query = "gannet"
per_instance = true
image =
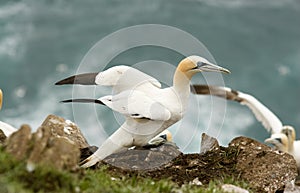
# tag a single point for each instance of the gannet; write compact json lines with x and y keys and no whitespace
{"x":6,"y":128}
{"x":163,"y":137}
{"x":148,"y":109}
{"x":283,"y":137}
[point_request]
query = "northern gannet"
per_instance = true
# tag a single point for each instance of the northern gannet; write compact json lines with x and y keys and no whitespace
{"x":163,"y":137}
{"x":282,"y":136}
{"x":6,"y":128}
{"x":148,"y":108}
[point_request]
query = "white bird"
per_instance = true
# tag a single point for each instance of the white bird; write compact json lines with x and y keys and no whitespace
{"x":6,"y":128}
{"x":148,"y":108}
{"x":282,"y":137}
{"x":162,"y":138}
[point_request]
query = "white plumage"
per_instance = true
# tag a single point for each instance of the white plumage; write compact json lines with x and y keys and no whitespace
{"x":148,"y":108}
{"x":5,"y":127}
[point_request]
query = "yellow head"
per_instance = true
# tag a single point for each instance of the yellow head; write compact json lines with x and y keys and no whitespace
{"x":1,"y":98}
{"x":289,"y":131}
{"x":167,"y":135}
{"x":194,"y":64}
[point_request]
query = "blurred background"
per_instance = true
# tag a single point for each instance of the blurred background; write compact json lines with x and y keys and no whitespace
{"x":44,"y":41}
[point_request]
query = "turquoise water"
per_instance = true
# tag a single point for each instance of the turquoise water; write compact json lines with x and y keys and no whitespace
{"x":44,"y":41}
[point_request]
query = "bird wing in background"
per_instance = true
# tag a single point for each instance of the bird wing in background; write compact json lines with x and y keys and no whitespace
{"x":269,"y":120}
{"x":7,"y":129}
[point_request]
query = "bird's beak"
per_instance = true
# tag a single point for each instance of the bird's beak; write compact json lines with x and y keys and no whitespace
{"x":270,"y":140}
{"x":274,"y":141}
{"x":1,"y":98}
{"x":83,"y":79}
{"x":209,"y":67}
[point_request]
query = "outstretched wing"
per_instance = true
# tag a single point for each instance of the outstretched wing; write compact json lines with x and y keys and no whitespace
{"x":120,"y":77}
{"x":7,"y":129}
{"x":269,"y":120}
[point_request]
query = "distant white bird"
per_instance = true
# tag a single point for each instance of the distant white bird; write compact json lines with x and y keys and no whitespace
{"x":6,"y":128}
{"x":147,"y":107}
{"x":163,"y":137}
{"x":283,"y":137}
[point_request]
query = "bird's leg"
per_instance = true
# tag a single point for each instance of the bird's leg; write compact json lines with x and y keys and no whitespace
{"x":117,"y":141}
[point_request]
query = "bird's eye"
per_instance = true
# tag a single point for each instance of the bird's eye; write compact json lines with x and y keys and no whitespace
{"x":201,"y":64}
{"x":279,"y":140}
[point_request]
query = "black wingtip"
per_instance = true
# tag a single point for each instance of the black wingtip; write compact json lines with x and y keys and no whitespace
{"x":83,"y":101}
{"x":200,"y":89}
{"x":83,"y":79}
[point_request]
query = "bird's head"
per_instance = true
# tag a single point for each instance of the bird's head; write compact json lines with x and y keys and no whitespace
{"x":194,"y":64}
{"x":289,"y":131}
{"x":279,"y":140}
{"x":167,"y":135}
{"x":1,"y":97}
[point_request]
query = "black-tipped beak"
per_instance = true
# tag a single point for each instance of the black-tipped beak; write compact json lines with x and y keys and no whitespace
{"x":209,"y":67}
{"x":83,"y":101}
{"x":83,"y":79}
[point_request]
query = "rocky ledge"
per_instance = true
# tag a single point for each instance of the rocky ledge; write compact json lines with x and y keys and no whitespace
{"x":59,"y":142}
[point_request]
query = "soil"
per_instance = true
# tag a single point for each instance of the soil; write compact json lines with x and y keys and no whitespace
{"x":186,"y":167}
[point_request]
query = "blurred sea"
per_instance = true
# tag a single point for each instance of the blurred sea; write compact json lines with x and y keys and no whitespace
{"x":44,"y":41}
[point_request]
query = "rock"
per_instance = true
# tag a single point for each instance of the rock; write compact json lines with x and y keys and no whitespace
{"x":58,"y":151}
{"x":229,"y":188}
{"x":208,"y":143}
{"x":65,"y":128}
{"x":244,"y":159}
{"x":265,"y":169}
{"x":56,"y":143}
{"x":196,"y":182}
{"x":142,"y":158}
{"x":2,"y":137}
{"x":19,"y":143}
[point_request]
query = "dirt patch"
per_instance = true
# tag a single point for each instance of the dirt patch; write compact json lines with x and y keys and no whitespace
{"x":186,"y":167}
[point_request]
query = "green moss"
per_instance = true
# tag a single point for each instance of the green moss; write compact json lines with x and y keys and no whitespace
{"x":14,"y":178}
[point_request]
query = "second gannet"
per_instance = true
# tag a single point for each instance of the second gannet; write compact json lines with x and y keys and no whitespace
{"x":163,"y":137}
{"x":148,"y":108}
{"x":6,"y":128}
{"x":283,"y":137}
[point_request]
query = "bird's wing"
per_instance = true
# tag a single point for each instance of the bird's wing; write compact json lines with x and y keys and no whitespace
{"x":120,"y":77}
{"x":136,"y":104}
{"x":7,"y":129}
{"x":269,"y":120}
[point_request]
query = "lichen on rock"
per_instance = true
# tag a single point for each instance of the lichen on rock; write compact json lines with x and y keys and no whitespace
{"x":49,"y":145}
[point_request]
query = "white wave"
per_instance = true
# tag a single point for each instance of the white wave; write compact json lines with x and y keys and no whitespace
{"x":10,"y":45}
{"x":247,"y":3}
{"x":13,"y":9}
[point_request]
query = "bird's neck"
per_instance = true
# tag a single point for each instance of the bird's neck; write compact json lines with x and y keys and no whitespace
{"x":181,"y":84}
{"x":291,"y":147}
